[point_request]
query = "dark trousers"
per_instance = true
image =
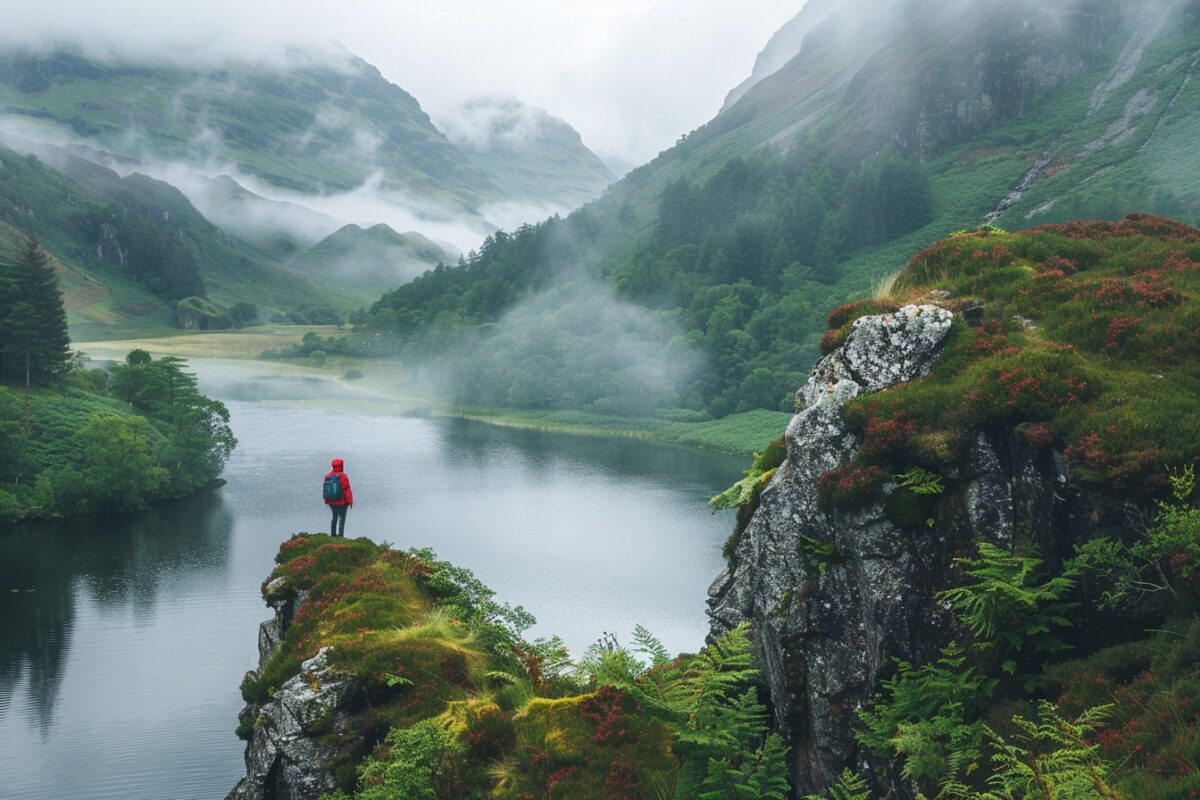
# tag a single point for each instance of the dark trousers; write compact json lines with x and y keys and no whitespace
{"x":337,"y":527}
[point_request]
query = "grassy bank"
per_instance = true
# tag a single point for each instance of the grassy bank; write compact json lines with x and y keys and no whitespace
{"x":240,"y":343}
{"x":740,"y":434}
{"x":447,"y":700}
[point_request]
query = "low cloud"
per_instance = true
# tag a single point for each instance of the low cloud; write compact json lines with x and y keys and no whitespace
{"x":485,"y":124}
{"x":574,"y":346}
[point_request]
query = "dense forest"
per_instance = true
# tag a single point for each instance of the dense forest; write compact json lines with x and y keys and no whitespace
{"x":732,"y":282}
{"x":92,"y":440}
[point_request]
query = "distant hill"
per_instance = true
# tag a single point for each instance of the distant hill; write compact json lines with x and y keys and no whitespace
{"x":128,"y":247}
{"x":533,"y":154}
{"x":325,"y":125}
{"x":363,"y":259}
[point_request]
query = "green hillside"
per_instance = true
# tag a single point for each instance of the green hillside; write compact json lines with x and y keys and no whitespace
{"x":129,"y":248}
{"x":311,"y":128}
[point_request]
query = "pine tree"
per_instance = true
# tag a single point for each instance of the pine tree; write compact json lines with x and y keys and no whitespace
{"x":36,"y":343}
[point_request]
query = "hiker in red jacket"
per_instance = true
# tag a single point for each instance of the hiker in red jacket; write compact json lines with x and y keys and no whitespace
{"x":338,"y":496}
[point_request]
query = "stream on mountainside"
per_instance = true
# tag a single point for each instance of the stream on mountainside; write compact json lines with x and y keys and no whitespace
{"x":123,"y":641}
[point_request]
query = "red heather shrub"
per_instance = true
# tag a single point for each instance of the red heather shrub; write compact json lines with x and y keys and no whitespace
{"x":299,"y":565}
{"x":607,"y":709}
{"x":833,"y":339}
{"x":1037,"y":435}
{"x":1056,"y":265}
{"x":622,"y":782}
{"x":1119,"y":328}
{"x":490,"y":734}
{"x":850,"y":485}
{"x":558,"y":777}
{"x":1150,"y":291}
{"x":1178,"y":262}
{"x":294,"y":543}
{"x":886,"y":436}
{"x":1121,"y":461}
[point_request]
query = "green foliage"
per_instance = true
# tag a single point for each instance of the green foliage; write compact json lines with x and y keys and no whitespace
{"x":1051,"y":758}
{"x":155,"y":437}
{"x":1011,"y":608}
{"x":921,"y":481}
{"x":930,"y":717}
{"x":1106,"y":308}
{"x":848,"y":787}
{"x":1153,"y":685}
{"x":119,"y":473}
{"x":747,"y":490}
{"x":762,"y":777}
{"x":462,"y":594}
{"x":1164,"y":558}
{"x":422,"y":763}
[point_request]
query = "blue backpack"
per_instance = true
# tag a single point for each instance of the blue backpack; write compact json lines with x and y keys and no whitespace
{"x":332,"y":488}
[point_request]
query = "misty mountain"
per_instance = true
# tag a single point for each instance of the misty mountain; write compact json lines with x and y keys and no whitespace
{"x":325,"y":125}
{"x":128,"y":248}
{"x":367,"y":258}
{"x":783,"y":46}
{"x":896,"y":123}
{"x":526,"y":149}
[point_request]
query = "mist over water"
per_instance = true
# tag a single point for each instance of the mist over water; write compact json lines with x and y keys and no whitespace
{"x":124,"y":645}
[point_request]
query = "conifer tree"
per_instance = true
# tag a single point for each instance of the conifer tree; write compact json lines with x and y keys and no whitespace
{"x":36,"y":345}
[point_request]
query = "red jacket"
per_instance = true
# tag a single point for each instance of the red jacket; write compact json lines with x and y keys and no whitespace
{"x":347,"y":495}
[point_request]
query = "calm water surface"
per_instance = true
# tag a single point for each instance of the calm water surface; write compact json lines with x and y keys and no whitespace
{"x":122,"y":643}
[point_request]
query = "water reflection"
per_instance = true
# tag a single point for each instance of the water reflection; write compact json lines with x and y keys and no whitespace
{"x":116,"y":564}
{"x":127,"y":654}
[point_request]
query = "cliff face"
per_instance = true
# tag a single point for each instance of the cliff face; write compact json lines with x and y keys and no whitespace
{"x":288,"y":757}
{"x":834,"y":596}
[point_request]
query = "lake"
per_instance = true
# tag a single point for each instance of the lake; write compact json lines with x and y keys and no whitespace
{"x":123,"y":641}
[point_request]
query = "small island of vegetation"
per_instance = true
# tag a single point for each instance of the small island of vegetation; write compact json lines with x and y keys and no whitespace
{"x":85,"y":440}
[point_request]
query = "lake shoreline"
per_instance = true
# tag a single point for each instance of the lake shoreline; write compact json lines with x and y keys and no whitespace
{"x":399,"y":392}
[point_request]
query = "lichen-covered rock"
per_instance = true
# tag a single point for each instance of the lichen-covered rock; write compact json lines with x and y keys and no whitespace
{"x":290,"y":754}
{"x":834,"y":596}
{"x":827,"y":626}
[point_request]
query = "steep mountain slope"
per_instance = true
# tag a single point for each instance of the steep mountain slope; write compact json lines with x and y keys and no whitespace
{"x":783,"y":46}
{"x":327,"y":123}
{"x":896,"y":124}
{"x":319,"y":126}
{"x":128,"y":248}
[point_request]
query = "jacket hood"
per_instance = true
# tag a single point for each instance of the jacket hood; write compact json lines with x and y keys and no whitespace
{"x":338,"y":465}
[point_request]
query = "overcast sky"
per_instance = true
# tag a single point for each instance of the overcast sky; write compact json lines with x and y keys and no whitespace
{"x":631,"y":75}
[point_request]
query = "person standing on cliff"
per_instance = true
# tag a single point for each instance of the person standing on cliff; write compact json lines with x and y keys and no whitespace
{"x":338,"y":496}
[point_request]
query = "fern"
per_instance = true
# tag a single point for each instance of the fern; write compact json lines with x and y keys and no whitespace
{"x":1051,"y":759}
{"x":848,"y":787}
{"x":650,"y":645}
{"x":928,"y":715}
{"x":1009,"y":612}
{"x":921,"y":481}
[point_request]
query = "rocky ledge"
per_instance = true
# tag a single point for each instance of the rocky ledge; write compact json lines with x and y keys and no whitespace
{"x":833,"y":596}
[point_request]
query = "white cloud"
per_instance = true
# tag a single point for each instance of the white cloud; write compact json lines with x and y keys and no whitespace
{"x":630,"y":75}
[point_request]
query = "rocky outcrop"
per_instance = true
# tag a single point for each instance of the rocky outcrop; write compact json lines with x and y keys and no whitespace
{"x":295,"y":737}
{"x":834,"y":596}
{"x":109,"y":248}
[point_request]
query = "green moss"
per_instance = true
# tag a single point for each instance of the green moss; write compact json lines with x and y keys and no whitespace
{"x":1089,"y":338}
